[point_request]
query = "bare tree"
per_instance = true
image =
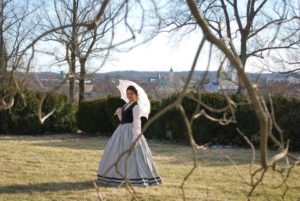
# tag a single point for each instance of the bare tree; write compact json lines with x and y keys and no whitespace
{"x":257,"y":28}
{"x":84,"y":45}
{"x":121,"y":11}
{"x":65,"y":12}
{"x":287,"y":62}
{"x":17,"y":28}
{"x":2,"y":47}
{"x":231,"y":53}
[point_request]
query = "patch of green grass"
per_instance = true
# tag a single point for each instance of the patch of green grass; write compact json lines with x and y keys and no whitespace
{"x":63,"y":167}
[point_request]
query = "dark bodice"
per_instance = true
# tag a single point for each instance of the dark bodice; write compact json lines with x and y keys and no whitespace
{"x":127,"y":115}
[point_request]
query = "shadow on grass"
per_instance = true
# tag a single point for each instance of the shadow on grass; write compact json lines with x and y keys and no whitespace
{"x":43,"y":187}
{"x":51,"y":187}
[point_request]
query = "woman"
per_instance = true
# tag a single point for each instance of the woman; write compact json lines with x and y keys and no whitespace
{"x":139,"y":167}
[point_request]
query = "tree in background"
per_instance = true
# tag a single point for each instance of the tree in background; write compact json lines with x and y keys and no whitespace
{"x":86,"y":49}
{"x":17,"y":28}
{"x":217,"y":24}
{"x":257,"y":29}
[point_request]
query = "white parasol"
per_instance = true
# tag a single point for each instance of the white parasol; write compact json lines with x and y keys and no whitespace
{"x":143,"y":100}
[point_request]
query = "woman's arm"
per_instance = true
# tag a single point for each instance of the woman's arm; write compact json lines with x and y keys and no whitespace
{"x":119,"y":113}
{"x":136,"y":129}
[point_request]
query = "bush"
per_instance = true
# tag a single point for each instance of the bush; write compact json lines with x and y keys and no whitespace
{"x":173,"y":121}
{"x":112,"y":103}
{"x":205,"y":130}
{"x":97,"y":116}
{"x":22,"y":118}
{"x":287,"y":113}
{"x":4,"y":115}
{"x":92,"y":116}
{"x":64,"y":118}
{"x":156,"y":129}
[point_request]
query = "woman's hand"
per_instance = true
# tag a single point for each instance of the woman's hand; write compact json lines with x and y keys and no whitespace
{"x":119,"y":113}
{"x":118,"y":110}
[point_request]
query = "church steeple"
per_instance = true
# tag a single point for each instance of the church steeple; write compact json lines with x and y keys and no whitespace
{"x":232,"y":73}
{"x":171,"y":75}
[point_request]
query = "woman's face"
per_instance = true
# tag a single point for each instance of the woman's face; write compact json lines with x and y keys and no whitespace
{"x":131,"y":95}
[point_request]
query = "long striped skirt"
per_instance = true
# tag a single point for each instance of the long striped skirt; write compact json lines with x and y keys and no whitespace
{"x":138,"y":167}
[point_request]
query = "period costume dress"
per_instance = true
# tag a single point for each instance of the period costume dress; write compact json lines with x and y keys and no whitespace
{"x":141,"y":169}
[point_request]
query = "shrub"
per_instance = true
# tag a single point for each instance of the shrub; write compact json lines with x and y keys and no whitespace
{"x":173,"y":121}
{"x":64,"y":118}
{"x":205,"y":130}
{"x":4,"y":116}
{"x":97,"y":116}
{"x":92,"y":117}
{"x":287,"y":115}
{"x":112,"y":103}
{"x":156,"y":129}
{"x":22,"y":118}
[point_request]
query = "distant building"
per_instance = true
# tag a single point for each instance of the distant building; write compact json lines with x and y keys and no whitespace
{"x":172,"y":78}
{"x":221,"y":85}
{"x":232,"y":73}
{"x":276,"y":80}
{"x":62,"y":74}
{"x":166,"y":85}
{"x":293,"y":80}
{"x":228,"y":82}
{"x":280,"y":78}
{"x":89,"y":88}
{"x":153,"y":79}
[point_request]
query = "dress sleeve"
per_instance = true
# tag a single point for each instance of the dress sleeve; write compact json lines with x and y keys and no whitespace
{"x":119,"y":113}
{"x":136,"y":129}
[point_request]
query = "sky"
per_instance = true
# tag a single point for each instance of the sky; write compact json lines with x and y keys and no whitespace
{"x":159,"y":54}
{"x":164,"y":51}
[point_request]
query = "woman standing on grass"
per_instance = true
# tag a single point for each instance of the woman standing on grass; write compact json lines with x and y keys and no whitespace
{"x":139,"y":167}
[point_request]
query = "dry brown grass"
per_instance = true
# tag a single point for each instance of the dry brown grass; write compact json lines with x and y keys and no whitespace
{"x":63,"y":167}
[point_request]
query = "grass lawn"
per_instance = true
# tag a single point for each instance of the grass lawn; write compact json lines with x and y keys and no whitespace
{"x":63,"y":167}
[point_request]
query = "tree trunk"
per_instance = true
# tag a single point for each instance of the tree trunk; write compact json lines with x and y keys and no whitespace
{"x":241,"y":87}
{"x":82,"y":79}
{"x":73,"y":51}
{"x":2,"y":47}
{"x":72,"y":71}
{"x":243,"y":58}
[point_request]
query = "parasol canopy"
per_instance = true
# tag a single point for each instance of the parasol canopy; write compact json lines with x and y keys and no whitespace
{"x":143,"y":100}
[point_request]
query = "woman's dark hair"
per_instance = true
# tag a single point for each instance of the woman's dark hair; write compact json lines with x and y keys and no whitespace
{"x":132,"y":88}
